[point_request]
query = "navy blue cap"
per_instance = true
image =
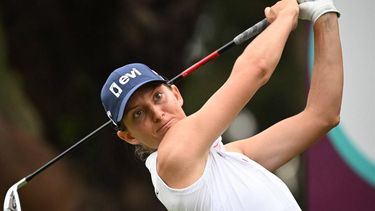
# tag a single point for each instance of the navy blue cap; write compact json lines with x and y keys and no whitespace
{"x":120,"y":86}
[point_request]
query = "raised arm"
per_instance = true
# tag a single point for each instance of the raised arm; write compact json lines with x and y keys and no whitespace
{"x":251,"y":70}
{"x":183,"y":152}
{"x":288,"y":138}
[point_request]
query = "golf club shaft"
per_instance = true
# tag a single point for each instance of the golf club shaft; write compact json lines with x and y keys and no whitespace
{"x":29,"y":177}
{"x":247,"y":34}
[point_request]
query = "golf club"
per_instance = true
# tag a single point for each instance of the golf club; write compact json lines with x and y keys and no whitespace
{"x":12,"y":201}
{"x":239,"y":39}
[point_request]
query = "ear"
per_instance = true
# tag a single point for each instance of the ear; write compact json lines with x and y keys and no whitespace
{"x":126,"y":136}
{"x":177,"y":94}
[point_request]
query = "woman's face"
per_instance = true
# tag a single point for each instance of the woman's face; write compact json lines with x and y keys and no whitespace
{"x":149,"y":114}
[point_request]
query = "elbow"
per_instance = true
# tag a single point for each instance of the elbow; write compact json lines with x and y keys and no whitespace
{"x":259,"y":68}
{"x":325,"y":121}
{"x":330,"y":119}
{"x":333,"y":121}
{"x":263,"y":70}
{"x":327,"y":124}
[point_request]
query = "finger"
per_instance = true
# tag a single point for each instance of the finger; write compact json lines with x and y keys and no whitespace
{"x":269,"y":14}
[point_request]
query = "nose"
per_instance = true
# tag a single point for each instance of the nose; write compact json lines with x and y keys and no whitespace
{"x":157,"y":113}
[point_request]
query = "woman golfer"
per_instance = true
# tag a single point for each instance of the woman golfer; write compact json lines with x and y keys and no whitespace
{"x":190,"y":167}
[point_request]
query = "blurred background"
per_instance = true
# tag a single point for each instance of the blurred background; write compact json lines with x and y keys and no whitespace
{"x":55,"y":56}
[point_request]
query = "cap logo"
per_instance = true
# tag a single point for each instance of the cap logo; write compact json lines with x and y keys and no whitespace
{"x":124,"y":79}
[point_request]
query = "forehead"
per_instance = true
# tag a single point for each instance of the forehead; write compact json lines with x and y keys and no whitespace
{"x":142,"y":92}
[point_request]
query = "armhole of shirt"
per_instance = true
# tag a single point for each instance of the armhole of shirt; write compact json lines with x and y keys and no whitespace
{"x":160,"y":185}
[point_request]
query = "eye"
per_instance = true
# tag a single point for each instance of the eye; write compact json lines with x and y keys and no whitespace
{"x":137,"y":114}
{"x":158,"y":96}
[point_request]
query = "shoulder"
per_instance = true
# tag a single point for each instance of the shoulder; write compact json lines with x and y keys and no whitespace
{"x":177,"y":169}
{"x":181,"y":157}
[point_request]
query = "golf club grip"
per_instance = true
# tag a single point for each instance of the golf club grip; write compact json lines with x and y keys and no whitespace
{"x":239,"y":39}
{"x":250,"y":32}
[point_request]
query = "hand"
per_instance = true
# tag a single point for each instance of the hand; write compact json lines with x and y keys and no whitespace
{"x":287,"y":7}
{"x":312,"y":9}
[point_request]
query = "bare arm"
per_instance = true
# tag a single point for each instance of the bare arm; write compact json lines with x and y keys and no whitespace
{"x":183,"y":152}
{"x":288,"y":138}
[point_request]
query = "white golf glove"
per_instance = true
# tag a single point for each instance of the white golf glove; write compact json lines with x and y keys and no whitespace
{"x":312,"y":9}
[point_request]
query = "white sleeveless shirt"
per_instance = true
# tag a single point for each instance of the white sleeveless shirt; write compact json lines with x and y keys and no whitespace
{"x":230,"y":181}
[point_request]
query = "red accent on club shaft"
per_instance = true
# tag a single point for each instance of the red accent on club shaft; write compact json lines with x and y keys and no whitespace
{"x":200,"y":63}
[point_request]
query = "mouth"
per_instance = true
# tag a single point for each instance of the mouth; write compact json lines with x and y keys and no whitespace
{"x":165,"y":127}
